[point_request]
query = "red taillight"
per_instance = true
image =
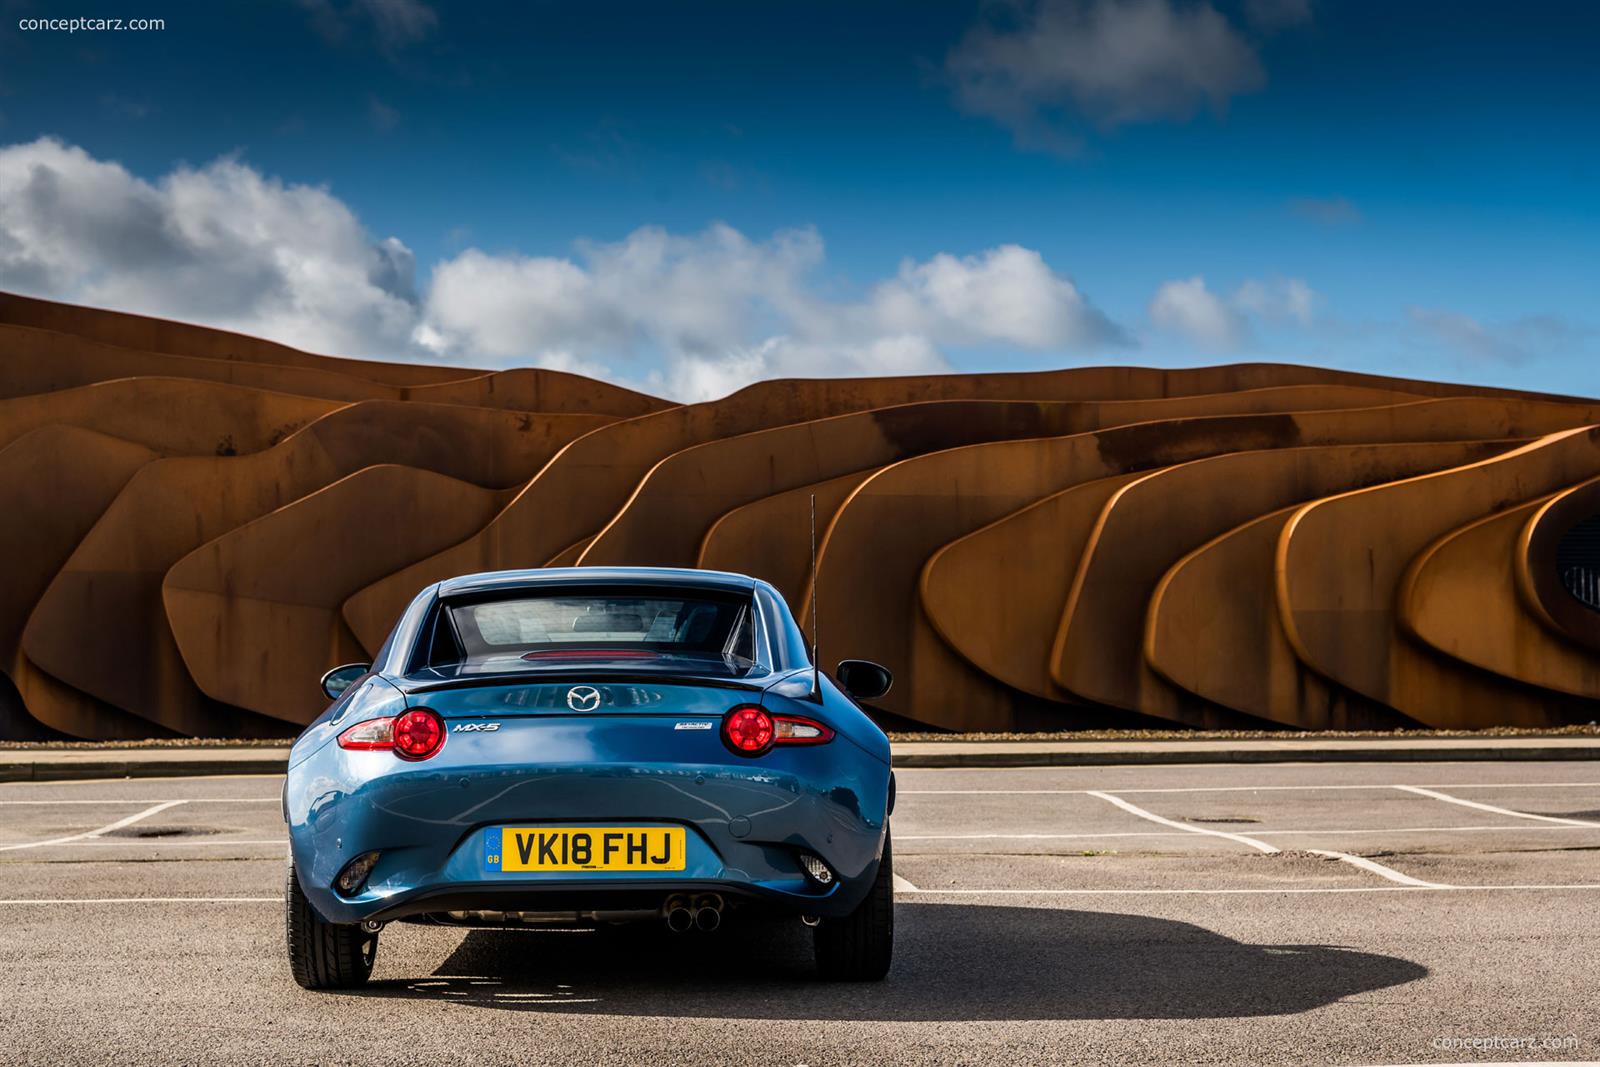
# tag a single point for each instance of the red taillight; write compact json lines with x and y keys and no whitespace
{"x":418,"y":734}
{"x":414,"y":735}
{"x":749,"y":730}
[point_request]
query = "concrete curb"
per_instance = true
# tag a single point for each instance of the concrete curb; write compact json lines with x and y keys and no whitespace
{"x":46,"y":765}
{"x":77,"y":764}
{"x":1144,"y":753}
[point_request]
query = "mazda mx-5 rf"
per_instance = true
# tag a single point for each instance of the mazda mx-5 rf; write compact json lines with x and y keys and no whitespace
{"x":586,"y":747}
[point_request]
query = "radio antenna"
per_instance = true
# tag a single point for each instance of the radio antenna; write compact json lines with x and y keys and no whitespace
{"x":816,"y":644}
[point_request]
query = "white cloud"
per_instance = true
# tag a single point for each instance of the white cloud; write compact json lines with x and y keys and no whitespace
{"x":395,"y":23}
{"x":693,"y":315}
{"x":1188,"y":307}
{"x":220,"y":245}
{"x":1515,"y":342}
{"x":1008,"y":294}
{"x":1328,"y":210}
{"x":726,"y":310}
{"x":1110,"y":61}
{"x":1278,"y":299}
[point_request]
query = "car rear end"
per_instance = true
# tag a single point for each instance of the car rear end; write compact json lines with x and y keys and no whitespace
{"x":587,"y":753}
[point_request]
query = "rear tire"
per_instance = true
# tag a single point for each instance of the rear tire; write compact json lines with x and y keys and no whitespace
{"x":860,"y":946}
{"x":324,"y":955}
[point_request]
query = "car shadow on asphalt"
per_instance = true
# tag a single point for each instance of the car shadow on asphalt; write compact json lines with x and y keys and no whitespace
{"x":952,"y":962}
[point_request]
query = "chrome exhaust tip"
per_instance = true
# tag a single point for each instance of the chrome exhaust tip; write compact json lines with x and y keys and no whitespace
{"x":707,"y":919}
{"x":680,"y":920}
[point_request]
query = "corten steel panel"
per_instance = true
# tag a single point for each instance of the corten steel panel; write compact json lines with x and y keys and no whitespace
{"x":1237,"y":655}
{"x":55,"y":481}
{"x":666,"y":519}
{"x":1340,"y":562}
{"x":1460,"y":596}
{"x":899,"y":517}
{"x":256,"y":611}
{"x":584,"y":487}
{"x":531,"y":389}
{"x":999,"y":616}
{"x":770,"y":538}
{"x":1212,"y":625}
{"x":162,"y":335}
{"x":875,"y":548}
{"x":205,"y":353}
{"x":568,"y":557}
{"x":278,"y":552}
{"x":42,"y":361}
{"x":174,"y":416}
{"x":1147,"y":525}
{"x":1537,"y":575}
{"x":173,"y":506}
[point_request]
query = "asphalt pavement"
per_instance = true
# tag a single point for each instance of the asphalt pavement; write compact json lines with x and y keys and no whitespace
{"x":1349,"y":913}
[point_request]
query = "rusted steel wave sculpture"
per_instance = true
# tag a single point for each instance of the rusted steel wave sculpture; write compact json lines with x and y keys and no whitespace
{"x":198,"y":524}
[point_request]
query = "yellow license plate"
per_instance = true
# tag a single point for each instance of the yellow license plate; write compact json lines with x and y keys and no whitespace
{"x":603,"y":848}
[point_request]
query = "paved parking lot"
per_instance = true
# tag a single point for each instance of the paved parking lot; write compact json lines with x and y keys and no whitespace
{"x":1355,"y":913}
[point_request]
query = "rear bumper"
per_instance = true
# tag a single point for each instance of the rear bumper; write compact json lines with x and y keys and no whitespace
{"x":582,"y":896}
{"x":746,"y":823}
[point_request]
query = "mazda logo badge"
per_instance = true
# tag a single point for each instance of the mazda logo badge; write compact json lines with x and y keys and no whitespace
{"x":583,"y":698}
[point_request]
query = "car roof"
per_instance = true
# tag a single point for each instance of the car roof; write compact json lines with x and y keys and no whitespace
{"x":666,"y":577}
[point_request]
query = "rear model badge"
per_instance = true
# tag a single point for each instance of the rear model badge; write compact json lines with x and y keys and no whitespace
{"x":698,"y":724}
{"x":476,"y":727}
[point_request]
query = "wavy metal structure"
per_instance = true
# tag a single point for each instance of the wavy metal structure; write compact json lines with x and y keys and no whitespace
{"x":199,"y":523}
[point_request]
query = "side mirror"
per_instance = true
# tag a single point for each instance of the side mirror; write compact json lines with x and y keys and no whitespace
{"x":336,"y":681}
{"x":863,"y":679}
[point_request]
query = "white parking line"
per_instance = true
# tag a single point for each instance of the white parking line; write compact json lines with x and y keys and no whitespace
{"x":902,"y":890}
{"x":119,"y":824}
{"x":903,"y":885}
{"x":146,"y":800}
{"x":1343,"y":857}
{"x":1448,"y":799}
{"x":143,"y":900}
{"x":1257,"y":833}
{"x":1238,"y":788}
{"x":167,"y":842}
{"x":1253,"y":891}
{"x":1134,"y":809}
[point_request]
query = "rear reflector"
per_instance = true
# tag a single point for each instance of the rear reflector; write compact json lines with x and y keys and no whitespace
{"x":354,"y":875}
{"x":815,"y":869}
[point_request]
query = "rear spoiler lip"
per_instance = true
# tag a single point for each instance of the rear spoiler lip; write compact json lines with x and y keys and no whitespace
{"x":528,"y":678}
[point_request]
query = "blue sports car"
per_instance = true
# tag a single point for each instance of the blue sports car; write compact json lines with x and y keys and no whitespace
{"x":589,"y":746}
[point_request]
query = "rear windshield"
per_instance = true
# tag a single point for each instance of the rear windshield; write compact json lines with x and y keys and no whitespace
{"x":533,"y":629}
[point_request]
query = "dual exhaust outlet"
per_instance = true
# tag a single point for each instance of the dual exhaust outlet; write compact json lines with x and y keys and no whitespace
{"x":702,"y":912}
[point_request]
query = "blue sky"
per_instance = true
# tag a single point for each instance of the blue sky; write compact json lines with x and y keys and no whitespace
{"x":687,"y":196}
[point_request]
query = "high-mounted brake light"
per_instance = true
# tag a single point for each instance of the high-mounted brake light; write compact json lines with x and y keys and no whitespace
{"x":414,"y":735}
{"x":751,"y":730}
